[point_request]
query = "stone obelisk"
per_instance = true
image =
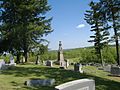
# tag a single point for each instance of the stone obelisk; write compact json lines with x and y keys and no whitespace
{"x":60,"y":55}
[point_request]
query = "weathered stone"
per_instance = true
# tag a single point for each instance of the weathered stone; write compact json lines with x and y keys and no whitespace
{"x":49,"y":63}
{"x":115,"y":70}
{"x":60,"y":55}
{"x":78,"y":68}
{"x":2,"y":64}
{"x":67,"y":63}
{"x":82,"y":84}
{"x":39,"y":82}
{"x":12,"y":63}
{"x":107,"y":68}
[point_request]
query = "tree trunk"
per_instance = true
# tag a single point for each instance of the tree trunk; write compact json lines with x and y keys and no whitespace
{"x":37,"y":60}
{"x":116,"y":39}
{"x":18,"y":58}
{"x":101,"y":58}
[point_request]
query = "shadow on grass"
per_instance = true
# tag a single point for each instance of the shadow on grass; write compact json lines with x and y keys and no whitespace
{"x":60,"y":75}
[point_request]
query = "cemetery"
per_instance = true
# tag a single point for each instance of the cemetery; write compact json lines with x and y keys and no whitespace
{"x":60,"y":76}
{"x":59,"y":45}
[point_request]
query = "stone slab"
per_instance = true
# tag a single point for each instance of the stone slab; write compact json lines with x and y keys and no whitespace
{"x":39,"y":82}
{"x":115,"y":71}
{"x":82,"y":84}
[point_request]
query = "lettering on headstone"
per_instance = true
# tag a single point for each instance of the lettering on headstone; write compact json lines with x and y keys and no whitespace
{"x":84,"y":88}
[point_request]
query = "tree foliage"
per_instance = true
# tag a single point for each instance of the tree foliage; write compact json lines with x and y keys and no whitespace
{"x":24,"y":24}
{"x":101,"y":35}
{"x":111,"y":9}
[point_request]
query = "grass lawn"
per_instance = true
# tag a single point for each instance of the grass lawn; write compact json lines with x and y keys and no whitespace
{"x":14,"y":78}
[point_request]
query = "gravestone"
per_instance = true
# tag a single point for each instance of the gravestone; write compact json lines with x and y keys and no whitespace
{"x":2,"y":64}
{"x":82,"y":84}
{"x":107,"y":68}
{"x":39,"y":82}
{"x":115,"y":70}
{"x":37,"y":61}
{"x":44,"y":63}
{"x":67,"y":63}
{"x":78,"y":68}
{"x":49,"y":63}
{"x":61,"y":60}
{"x":23,"y":59}
{"x":12,"y":63}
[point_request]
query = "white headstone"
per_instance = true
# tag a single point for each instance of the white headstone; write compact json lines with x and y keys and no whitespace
{"x":11,"y":60}
{"x":82,"y":84}
{"x":2,"y":64}
{"x":12,"y":63}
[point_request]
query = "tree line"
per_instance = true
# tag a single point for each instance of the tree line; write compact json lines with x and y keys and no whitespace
{"x":82,"y":55}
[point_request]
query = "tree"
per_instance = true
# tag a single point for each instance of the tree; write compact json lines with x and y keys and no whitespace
{"x":24,"y":23}
{"x":111,"y":8}
{"x":39,"y":50}
{"x":101,"y":35}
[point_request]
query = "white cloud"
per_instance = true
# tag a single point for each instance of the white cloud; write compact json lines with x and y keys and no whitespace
{"x":80,"y":26}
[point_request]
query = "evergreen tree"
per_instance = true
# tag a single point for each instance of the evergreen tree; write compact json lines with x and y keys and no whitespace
{"x":95,"y":18}
{"x":24,"y":23}
{"x":111,"y":8}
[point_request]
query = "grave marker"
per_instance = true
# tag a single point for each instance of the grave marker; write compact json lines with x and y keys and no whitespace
{"x":82,"y":84}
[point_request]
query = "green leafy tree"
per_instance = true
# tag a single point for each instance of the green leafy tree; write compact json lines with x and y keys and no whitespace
{"x":24,"y":24}
{"x":101,"y":35}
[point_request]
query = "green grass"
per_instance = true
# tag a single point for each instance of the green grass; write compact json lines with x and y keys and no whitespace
{"x":14,"y":78}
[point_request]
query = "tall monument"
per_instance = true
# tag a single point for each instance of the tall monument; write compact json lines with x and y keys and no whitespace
{"x":60,"y":55}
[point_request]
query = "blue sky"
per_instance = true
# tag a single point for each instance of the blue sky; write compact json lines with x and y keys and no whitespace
{"x":69,"y":24}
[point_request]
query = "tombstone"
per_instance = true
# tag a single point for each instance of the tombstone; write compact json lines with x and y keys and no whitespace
{"x":61,"y":61}
{"x":107,"y":68}
{"x":67,"y":63}
{"x":49,"y":63}
{"x":44,"y":63}
{"x":115,"y":70}
{"x":2,"y":64}
{"x":12,"y":63}
{"x":23,"y":59}
{"x":82,"y":84}
{"x":39,"y":82}
{"x":78,"y":68}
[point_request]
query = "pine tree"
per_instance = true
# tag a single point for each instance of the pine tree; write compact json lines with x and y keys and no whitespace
{"x":24,"y":23}
{"x":111,"y":8}
{"x":101,"y":35}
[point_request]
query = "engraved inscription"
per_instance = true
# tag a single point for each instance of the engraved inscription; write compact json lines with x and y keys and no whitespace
{"x":84,"y":88}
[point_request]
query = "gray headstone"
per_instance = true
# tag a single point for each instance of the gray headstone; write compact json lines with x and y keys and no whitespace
{"x":115,"y":70}
{"x":12,"y":63}
{"x":49,"y":63}
{"x":82,"y":84}
{"x":78,"y":68}
{"x":107,"y":68}
{"x":67,"y":63}
{"x":39,"y":82}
